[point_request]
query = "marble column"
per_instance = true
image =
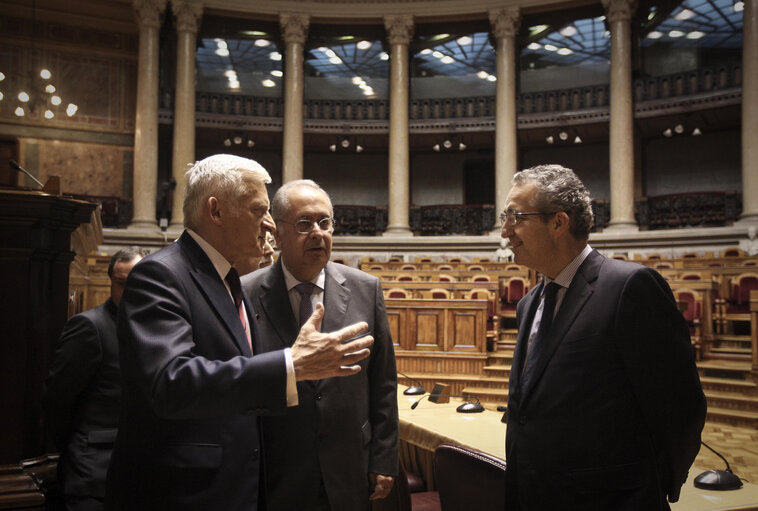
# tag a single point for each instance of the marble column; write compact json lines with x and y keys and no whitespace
{"x":505,"y":25}
{"x":294,"y":33}
{"x":187,"y":13}
{"x":619,"y":14}
{"x":749,"y":112}
{"x":146,"y":122}
{"x":399,"y":34}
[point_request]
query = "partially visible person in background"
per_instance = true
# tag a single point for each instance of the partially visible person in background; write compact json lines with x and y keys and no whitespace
{"x":82,"y":397}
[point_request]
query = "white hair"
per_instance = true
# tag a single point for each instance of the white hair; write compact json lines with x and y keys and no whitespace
{"x":220,"y":175}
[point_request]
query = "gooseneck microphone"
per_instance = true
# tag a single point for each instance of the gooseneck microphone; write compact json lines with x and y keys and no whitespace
{"x":16,"y":166}
{"x":467,"y":407}
{"x":415,"y":390}
{"x":718,"y":479}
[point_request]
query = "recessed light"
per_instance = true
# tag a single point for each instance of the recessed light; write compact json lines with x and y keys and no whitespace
{"x":268,"y":82}
{"x":550,"y":47}
{"x":568,"y":31}
{"x":363,"y":45}
{"x":262,"y":43}
{"x":534,"y":46}
{"x":695,"y":34}
{"x":684,"y":14}
{"x":676,"y":33}
{"x":275,"y":55}
{"x":655,"y":34}
{"x":463,"y":41}
{"x":277,"y":72}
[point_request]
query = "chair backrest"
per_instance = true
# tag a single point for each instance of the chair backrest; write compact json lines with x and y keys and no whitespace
{"x":395,"y":259}
{"x":397,"y":293}
{"x":744,"y":283}
{"x":376,"y":267}
{"x":455,"y":260}
{"x":663,"y":265}
{"x":690,"y":255}
{"x":445,"y":267}
{"x":482,"y":259}
{"x":620,"y":257}
{"x":439,"y":294}
{"x":405,"y":277}
{"x":732,"y":252}
{"x":444,"y":277}
{"x":654,"y":257}
{"x":692,"y":276}
{"x":408,"y":267}
{"x":423,"y":259}
{"x":693,"y":300}
{"x":468,"y":480}
{"x":475,"y":267}
{"x":480,"y":278}
{"x":517,"y":288}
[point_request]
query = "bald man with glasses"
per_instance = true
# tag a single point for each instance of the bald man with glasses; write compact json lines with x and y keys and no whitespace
{"x":337,"y":449}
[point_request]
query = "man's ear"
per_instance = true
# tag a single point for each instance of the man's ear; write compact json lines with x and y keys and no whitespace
{"x":213,"y":210}
{"x":561,"y":222}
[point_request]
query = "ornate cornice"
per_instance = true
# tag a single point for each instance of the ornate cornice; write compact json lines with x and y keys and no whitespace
{"x":505,"y":22}
{"x":294,"y":27}
{"x":399,"y":29}
{"x":619,"y":10}
{"x":188,"y":13}
{"x":148,"y":12}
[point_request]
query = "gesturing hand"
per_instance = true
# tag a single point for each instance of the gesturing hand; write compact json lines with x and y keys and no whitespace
{"x":318,"y":355}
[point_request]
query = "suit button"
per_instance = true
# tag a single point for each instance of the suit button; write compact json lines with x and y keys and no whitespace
{"x":254,"y":456}
{"x":318,"y":396}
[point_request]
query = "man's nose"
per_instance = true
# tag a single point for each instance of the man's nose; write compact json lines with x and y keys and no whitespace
{"x":268,"y":223}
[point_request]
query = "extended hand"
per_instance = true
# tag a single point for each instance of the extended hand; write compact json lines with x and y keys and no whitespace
{"x":317,"y":355}
{"x":382,"y":486}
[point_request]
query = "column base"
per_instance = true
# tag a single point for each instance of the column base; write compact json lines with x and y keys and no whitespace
{"x":143,"y":225}
{"x":398,"y":230}
{"x":621,"y":226}
{"x":747,"y":219}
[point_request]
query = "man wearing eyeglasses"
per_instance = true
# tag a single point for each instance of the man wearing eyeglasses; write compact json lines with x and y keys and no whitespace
{"x":338,"y":448}
{"x":605,"y":406}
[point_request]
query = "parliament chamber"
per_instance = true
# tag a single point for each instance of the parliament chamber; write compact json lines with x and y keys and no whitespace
{"x":414,"y":115}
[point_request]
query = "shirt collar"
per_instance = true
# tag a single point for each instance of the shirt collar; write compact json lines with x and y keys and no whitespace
{"x":567,"y":274}
{"x":219,"y":262}
{"x":291,"y":281}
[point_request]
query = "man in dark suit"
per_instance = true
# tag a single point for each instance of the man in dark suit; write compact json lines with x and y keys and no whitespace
{"x":196,"y":378}
{"x":338,"y":448}
{"x":605,"y":406}
{"x":82,"y":395}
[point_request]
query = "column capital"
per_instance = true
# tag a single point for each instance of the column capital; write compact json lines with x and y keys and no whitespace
{"x":294,"y":27}
{"x":505,"y":22}
{"x":399,"y":29}
{"x":149,"y":12}
{"x":188,"y":13}
{"x":619,"y":10}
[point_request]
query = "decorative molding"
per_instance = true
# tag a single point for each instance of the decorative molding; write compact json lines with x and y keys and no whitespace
{"x":399,"y":29}
{"x":188,"y":13}
{"x":294,"y":27}
{"x":505,"y":22}
{"x":619,"y":10}
{"x":148,"y":12}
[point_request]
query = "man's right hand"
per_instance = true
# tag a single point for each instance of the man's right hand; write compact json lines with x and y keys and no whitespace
{"x":317,"y":355}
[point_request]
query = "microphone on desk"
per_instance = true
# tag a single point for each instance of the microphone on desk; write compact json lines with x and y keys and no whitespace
{"x":467,"y":407}
{"x":718,"y":479}
{"x":415,"y":390}
{"x":16,"y":166}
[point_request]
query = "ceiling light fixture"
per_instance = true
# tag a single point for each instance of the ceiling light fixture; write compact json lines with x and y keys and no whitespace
{"x":684,"y":14}
{"x":568,"y":31}
{"x":464,"y":40}
{"x":363,"y":45}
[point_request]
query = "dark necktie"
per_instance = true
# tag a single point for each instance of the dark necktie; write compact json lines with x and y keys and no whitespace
{"x":538,"y":344}
{"x":306,"y":307}
{"x":233,"y":279}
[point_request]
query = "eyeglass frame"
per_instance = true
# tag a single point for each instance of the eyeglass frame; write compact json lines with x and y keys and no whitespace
{"x":311,"y":223}
{"x":517,"y":216}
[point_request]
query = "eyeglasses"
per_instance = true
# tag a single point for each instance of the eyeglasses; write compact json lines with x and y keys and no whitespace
{"x":305,"y":226}
{"x":511,"y":217}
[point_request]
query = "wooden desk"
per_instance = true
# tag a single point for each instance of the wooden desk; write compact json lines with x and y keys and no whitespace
{"x":430,"y":425}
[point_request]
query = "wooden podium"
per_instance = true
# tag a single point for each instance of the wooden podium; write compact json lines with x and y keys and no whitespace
{"x":35,"y":254}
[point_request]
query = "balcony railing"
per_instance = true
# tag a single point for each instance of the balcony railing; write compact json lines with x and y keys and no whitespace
{"x":702,"y":81}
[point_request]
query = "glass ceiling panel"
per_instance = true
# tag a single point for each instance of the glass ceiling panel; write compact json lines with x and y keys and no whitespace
{"x":243,"y":66}
{"x":711,"y":24}
{"x":446,"y":65}
{"x":350,"y":68}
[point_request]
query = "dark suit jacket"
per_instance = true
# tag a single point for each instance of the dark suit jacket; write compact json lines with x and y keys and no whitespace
{"x":82,"y":400}
{"x":343,"y":428}
{"x":613,"y":415}
{"x":189,"y":431}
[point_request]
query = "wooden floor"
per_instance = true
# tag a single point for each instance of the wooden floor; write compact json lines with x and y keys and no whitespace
{"x":738,"y":445}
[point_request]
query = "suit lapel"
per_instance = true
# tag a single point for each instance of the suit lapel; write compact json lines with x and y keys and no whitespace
{"x":276,"y":306}
{"x":531,"y":301}
{"x":336,"y":299}
{"x":212,"y":287}
{"x":578,"y":293}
